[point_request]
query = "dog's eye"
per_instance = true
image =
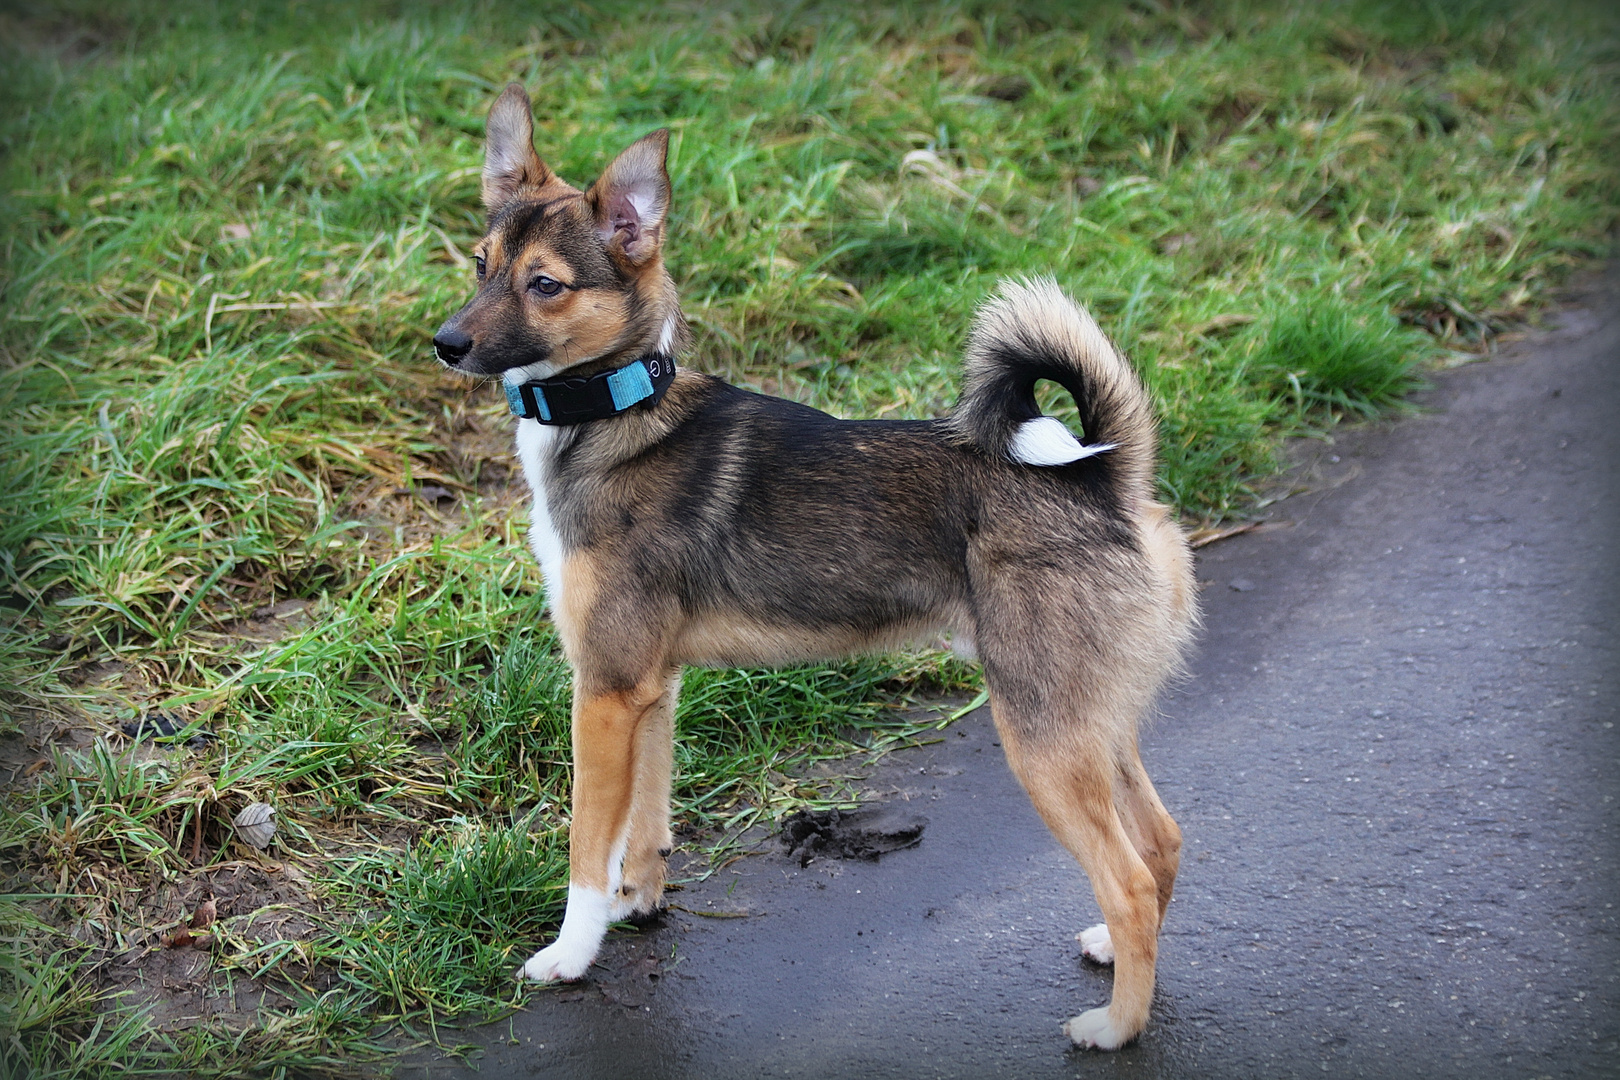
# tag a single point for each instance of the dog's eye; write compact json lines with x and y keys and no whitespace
{"x":478,"y":266}
{"x":546,"y":286}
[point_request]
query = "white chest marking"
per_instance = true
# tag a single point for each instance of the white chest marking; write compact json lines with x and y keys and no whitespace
{"x":1045,"y":441}
{"x":534,"y":445}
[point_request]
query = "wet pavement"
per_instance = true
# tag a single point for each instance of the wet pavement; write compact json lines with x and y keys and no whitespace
{"x":1394,"y":764}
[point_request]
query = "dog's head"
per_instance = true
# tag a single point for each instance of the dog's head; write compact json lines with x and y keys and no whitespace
{"x":565,"y":277}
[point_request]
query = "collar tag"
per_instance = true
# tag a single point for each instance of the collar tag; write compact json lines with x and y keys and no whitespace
{"x":562,"y":400}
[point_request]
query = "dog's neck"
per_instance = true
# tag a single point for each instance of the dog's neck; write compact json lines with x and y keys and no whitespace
{"x":572,"y":398}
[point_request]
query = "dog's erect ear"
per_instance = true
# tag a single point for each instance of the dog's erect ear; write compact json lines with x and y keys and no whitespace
{"x":632,"y":197}
{"x":510,"y":162}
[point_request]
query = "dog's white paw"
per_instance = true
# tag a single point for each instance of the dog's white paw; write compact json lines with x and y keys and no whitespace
{"x":1096,"y":944}
{"x":561,"y":961}
{"x":1093,"y":1031}
{"x":584,"y":923}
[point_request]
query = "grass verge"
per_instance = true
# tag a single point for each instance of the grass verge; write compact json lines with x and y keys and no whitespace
{"x":235,"y":489}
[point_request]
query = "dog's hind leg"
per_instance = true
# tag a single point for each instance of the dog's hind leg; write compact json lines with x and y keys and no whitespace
{"x":1155,"y":836}
{"x":607,"y":726}
{"x":1153,"y":832}
{"x":642,"y":890}
{"x":1070,"y":777}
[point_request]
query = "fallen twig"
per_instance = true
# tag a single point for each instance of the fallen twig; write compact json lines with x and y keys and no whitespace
{"x":1205,"y":537}
{"x":713,"y":914}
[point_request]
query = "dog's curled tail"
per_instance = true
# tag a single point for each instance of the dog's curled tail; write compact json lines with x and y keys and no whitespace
{"x":1031,"y":331}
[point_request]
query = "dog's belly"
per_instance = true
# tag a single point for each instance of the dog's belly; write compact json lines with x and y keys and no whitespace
{"x":740,"y":641}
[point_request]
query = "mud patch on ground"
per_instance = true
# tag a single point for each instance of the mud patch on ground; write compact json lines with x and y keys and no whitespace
{"x":23,"y":754}
{"x":627,"y":974}
{"x":851,"y":834}
{"x":263,"y":912}
{"x":273,"y":621}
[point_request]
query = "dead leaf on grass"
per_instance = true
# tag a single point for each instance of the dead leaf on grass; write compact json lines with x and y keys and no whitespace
{"x":255,"y":824}
{"x":191,"y":933}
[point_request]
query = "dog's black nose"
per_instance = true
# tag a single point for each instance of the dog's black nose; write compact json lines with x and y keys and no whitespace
{"x":452,"y":345}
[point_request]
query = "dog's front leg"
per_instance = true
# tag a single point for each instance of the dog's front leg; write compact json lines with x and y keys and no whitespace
{"x":641,"y":892}
{"x":605,"y":737}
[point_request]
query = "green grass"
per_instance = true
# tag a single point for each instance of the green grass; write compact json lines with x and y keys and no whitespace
{"x":228,"y":236}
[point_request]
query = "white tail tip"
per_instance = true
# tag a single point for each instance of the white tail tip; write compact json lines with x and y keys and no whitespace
{"x":1045,"y":441}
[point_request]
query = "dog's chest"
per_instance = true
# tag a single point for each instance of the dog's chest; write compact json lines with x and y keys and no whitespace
{"x":536,"y":444}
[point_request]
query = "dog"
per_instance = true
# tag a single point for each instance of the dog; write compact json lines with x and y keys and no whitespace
{"x":680,"y":520}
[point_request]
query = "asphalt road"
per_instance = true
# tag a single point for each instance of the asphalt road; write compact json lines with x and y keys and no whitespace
{"x":1394,"y":764}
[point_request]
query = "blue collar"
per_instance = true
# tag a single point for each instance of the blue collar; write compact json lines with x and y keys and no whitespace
{"x":563,"y":400}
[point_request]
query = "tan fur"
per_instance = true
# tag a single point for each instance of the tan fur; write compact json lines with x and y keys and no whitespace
{"x":606,"y":732}
{"x":721,"y":641}
{"x":585,"y":324}
{"x":650,"y":839}
{"x":1172,"y":559}
{"x":1152,"y":831}
{"x":573,"y":600}
{"x":539,"y":259}
{"x":1074,"y":791}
